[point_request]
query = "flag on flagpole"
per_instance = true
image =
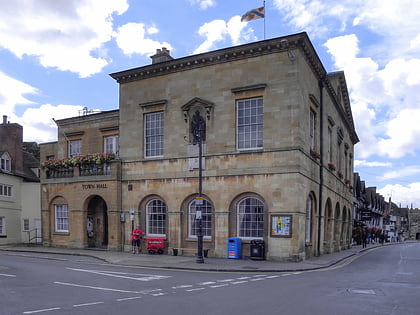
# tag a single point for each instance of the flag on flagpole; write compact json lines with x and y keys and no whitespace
{"x":254,"y":14}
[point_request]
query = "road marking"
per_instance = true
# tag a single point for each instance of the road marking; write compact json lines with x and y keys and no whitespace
{"x":124,"y":275}
{"x":6,"y":275}
{"x":196,"y":289}
{"x":44,"y":310}
{"x":219,"y":285}
{"x":87,"y":304}
{"x":129,"y":298}
{"x":272,"y":277}
{"x":182,"y":286}
{"x":257,"y":279}
{"x":158,"y":294}
{"x":239,"y":282}
{"x":226,"y":280}
{"x":363,"y":291}
{"x":207,"y":283}
{"x":97,"y":288}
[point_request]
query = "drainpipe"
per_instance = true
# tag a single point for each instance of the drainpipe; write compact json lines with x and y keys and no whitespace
{"x":321,"y":160}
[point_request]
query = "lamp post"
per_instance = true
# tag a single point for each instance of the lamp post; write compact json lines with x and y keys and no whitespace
{"x":198,"y":128}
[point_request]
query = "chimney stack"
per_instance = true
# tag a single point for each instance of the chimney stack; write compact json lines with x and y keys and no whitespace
{"x":161,"y":55}
{"x":11,"y":140}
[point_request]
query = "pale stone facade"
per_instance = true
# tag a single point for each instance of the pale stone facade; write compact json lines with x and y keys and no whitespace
{"x":270,"y":188}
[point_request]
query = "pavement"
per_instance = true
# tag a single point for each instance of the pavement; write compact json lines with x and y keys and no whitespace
{"x":166,"y":261}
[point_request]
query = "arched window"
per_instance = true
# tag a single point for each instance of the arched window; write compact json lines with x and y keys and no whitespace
{"x":156,"y":218}
{"x":250,"y":218}
{"x":206,"y":214}
{"x":308,"y":224}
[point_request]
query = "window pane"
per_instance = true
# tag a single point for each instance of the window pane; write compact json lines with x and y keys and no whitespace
{"x":206,"y":219}
{"x":250,"y":218}
{"x":153,"y":134}
{"x":61,"y":218}
{"x":250,"y":123}
{"x":75,"y":147}
{"x":156,"y":214}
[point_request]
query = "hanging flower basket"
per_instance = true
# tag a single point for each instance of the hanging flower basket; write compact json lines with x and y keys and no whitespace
{"x":331,"y":166}
{"x":315,"y":154}
{"x":340,"y":174}
{"x":347,"y":181}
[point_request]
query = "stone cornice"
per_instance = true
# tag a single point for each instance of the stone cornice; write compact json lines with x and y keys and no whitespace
{"x":251,"y":50}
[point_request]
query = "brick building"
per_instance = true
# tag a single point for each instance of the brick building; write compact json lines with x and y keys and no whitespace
{"x":20,"y":213}
{"x":277,"y":161}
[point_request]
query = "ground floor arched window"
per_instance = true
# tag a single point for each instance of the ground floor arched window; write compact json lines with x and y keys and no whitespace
{"x":206,"y":218}
{"x":156,"y":218}
{"x":250,"y":218}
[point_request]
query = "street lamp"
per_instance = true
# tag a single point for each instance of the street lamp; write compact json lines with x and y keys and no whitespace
{"x":198,"y":129}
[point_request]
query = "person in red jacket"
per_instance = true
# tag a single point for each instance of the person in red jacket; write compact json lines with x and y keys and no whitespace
{"x":136,"y":237}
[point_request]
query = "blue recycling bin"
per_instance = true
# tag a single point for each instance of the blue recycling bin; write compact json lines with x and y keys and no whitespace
{"x":234,"y":248}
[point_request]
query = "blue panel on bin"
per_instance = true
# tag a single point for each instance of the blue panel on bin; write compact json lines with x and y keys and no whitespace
{"x":234,"y":248}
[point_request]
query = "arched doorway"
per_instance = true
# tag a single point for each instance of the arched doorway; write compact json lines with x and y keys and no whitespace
{"x":97,"y":223}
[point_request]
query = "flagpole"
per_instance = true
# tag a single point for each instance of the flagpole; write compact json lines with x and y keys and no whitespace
{"x":265,"y":14}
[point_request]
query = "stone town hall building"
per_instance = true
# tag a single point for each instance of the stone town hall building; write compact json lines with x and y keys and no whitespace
{"x":277,"y":156}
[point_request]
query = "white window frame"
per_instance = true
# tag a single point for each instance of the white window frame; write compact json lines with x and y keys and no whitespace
{"x":111,"y":144}
{"x":249,"y":123}
{"x":249,"y":223}
{"x":5,"y":162}
{"x":156,"y":213}
{"x":309,"y":218}
{"x":6,"y":190}
{"x":154,"y":129}
{"x":75,"y":147}
{"x":312,"y":129}
{"x":330,"y":144}
{"x":2,"y":226}
{"x":25,"y":225}
{"x":206,"y":221}
{"x":61,"y":218}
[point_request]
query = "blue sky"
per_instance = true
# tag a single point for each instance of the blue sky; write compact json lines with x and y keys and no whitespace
{"x":56,"y":57}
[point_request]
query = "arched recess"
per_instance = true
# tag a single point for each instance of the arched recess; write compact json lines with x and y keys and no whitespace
{"x":153,"y":216}
{"x":311,"y":226}
{"x":328,"y":227}
{"x":343,"y":237}
{"x":248,"y":217}
{"x":59,"y":218}
{"x":337,"y":227}
{"x":96,"y":222}
{"x":189,"y":208}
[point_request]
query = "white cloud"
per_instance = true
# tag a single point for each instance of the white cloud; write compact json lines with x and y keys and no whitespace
{"x":39,"y":125}
{"x":405,"y":195}
{"x":204,"y":4}
{"x":67,"y":35}
{"x":385,"y":101}
{"x":12,"y":94}
{"x":402,"y":172}
{"x":403,"y":133}
{"x":219,"y":30}
{"x":131,"y":38}
{"x":371,"y":164}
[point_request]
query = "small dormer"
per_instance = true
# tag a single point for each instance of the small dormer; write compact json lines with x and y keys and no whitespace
{"x":5,"y":162}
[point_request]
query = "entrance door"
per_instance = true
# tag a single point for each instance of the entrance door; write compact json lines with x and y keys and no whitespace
{"x":97,"y":223}
{"x":38,"y":237}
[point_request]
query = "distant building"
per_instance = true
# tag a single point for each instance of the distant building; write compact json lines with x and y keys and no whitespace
{"x":278,"y":156}
{"x":20,"y":202}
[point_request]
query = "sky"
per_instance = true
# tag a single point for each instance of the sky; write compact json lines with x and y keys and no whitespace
{"x":56,"y":57}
